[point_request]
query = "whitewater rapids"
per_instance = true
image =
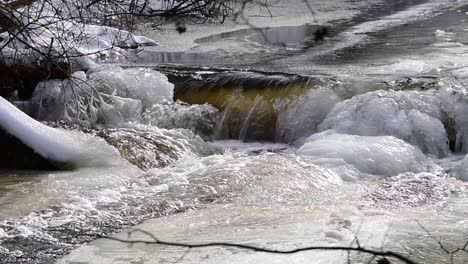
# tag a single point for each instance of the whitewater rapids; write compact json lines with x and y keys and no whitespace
{"x":375,"y":145}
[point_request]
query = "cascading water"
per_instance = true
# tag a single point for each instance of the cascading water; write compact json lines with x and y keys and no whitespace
{"x":367,"y":152}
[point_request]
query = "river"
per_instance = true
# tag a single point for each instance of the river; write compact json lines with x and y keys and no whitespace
{"x":281,"y":142}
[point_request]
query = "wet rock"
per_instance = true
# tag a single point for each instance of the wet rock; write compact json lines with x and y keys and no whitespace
{"x":147,"y":147}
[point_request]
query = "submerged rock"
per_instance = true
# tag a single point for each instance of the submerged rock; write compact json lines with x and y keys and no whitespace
{"x":147,"y":147}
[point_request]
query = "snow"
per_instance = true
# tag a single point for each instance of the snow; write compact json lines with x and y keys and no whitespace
{"x":68,"y":147}
{"x":52,"y":29}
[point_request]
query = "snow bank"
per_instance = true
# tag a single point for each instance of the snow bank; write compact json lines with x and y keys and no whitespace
{"x":72,"y":148}
{"x":356,"y":157}
{"x":408,"y":115}
{"x":58,"y":28}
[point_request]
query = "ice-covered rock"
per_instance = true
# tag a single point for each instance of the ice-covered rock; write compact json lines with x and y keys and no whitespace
{"x":108,"y":96}
{"x":409,"y":115}
{"x":72,"y":149}
{"x":149,"y":147}
{"x":148,"y":86}
{"x":358,"y":157}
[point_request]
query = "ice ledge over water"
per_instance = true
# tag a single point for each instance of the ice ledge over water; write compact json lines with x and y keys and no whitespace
{"x":71,"y":148}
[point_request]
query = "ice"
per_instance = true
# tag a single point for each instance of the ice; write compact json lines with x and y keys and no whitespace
{"x":405,"y":67}
{"x":109,"y":96}
{"x":69,"y":147}
{"x":461,"y":73}
{"x":409,"y":115}
{"x":358,"y":157}
{"x":461,"y":171}
{"x":443,"y":34}
{"x":76,"y":100}
{"x":148,"y":86}
{"x":455,"y":105}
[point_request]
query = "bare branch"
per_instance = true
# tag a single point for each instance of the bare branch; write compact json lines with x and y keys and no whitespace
{"x":156,"y":241}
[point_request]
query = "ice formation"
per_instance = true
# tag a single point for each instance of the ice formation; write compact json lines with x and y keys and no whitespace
{"x":362,"y":156}
{"x":73,"y":148}
{"x":410,"y":115}
{"x":148,"y":86}
{"x":108,"y":96}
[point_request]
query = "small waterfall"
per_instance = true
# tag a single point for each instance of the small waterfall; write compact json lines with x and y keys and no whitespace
{"x":222,"y":128}
{"x":246,"y":123}
{"x":246,"y":100}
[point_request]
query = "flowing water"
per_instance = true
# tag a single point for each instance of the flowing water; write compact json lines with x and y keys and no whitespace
{"x":362,"y":137}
